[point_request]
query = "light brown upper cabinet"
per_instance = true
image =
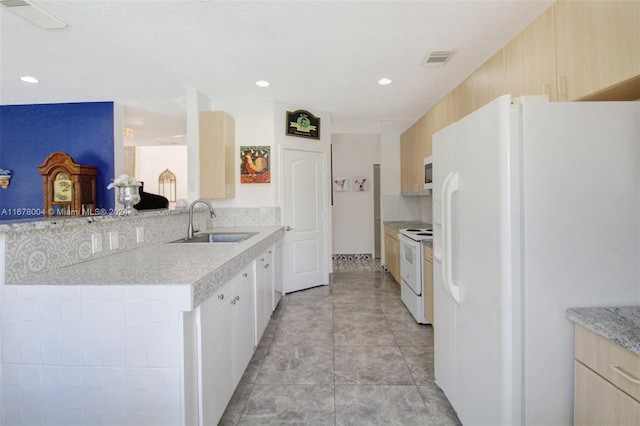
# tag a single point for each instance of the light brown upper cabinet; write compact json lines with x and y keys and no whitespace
{"x":484,"y":85}
{"x":597,"y":46}
{"x":530,"y":59}
{"x":415,"y":144}
{"x":441,"y":115}
{"x":406,"y":156}
{"x":217,"y":146}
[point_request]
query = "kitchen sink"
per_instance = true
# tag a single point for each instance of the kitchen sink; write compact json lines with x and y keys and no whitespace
{"x":217,"y":237}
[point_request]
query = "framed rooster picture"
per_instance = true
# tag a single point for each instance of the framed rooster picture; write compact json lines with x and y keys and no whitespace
{"x":255,"y":164}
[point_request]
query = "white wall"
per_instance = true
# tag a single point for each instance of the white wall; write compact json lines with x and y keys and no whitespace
{"x":352,"y":212}
{"x":253,"y":127}
{"x":394,"y":206}
{"x":153,"y":160}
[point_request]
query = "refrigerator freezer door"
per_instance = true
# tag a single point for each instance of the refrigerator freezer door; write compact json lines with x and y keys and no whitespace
{"x":482,"y":334}
{"x":444,"y":307}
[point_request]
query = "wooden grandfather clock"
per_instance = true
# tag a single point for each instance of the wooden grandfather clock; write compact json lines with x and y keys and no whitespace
{"x":69,"y":188}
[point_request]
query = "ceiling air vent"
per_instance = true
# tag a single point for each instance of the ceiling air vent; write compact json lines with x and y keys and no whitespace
{"x":437,"y":58}
{"x":34,"y":14}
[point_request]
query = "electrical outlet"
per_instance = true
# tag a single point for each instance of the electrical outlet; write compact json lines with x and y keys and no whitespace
{"x":113,"y":240}
{"x":140,"y":234}
{"x":96,"y":243}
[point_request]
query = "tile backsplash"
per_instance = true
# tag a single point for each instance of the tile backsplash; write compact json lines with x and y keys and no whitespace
{"x":42,"y":246}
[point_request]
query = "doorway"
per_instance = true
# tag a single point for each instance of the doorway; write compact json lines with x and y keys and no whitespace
{"x":305,"y":213}
{"x":377,"y":226}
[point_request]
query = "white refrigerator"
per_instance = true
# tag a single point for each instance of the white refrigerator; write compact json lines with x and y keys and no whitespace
{"x":536,"y":210}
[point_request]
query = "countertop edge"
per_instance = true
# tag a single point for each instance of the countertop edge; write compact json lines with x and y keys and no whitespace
{"x":223,"y":266}
{"x":620,"y":325}
{"x":209,"y":284}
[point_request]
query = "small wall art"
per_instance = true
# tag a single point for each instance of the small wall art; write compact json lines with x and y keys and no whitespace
{"x":340,"y":184}
{"x":303,"y":124}
{"x":360,"y":184}
{"x":255,"y":164}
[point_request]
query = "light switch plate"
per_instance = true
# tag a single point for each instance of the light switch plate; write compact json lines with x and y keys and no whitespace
{"x":96,"y":243}
{"x":113,"y":240}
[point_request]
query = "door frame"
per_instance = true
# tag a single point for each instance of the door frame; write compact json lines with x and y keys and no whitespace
{"x":325,"y":149}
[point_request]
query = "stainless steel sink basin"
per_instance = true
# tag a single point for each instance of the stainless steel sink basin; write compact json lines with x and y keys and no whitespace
{"x":218,"y":237}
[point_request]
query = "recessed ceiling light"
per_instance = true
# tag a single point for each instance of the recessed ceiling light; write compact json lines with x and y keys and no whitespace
{"x":384,"y":81}
{"x":262,"y":83}
{"x":28,"y":79}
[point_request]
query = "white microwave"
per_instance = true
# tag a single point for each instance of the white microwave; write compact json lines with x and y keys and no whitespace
{"x":428,"y":173}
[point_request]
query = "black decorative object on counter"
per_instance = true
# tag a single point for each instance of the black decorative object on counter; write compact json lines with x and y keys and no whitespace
{"x":150,"y":201}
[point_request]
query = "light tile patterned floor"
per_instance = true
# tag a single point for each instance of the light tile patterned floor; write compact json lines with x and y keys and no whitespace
{"x":344,"y":354}
{"x":355,"y":262}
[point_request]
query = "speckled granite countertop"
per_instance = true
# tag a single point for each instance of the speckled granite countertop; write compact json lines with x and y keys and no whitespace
{"x":203,"y":266}
{"x":621,"y":325}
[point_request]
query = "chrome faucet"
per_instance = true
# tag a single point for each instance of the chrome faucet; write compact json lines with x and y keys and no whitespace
{"x":190,"y":230}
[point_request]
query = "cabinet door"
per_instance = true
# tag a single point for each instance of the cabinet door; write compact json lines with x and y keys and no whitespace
{"x":388,"y":253}
{"x":530,"y":59}
{"x":396,"y":260}
{"x":277,"y":274}
{"x":597,"y":45}
{"x":598,"y":402}
{"x":216,"y":376}
{"x":242,"y":327}
{"x":217,"y":155}
{"x":484,"y":85}
{"x":264,"y":292}
{"x":392,"y":256}
{"x":428,"y":290}
{"x":405,"y":160}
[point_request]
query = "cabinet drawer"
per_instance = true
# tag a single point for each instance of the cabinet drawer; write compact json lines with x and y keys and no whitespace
{"x":242,"y":277}
{"x":598,"y":402}
{"x":618,"y":365}
{"x":214,"y":301}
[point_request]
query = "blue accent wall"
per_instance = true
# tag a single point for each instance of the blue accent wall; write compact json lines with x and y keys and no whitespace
{"x":29,"y":133}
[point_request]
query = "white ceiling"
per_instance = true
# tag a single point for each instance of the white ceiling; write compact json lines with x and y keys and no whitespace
{"x":326,"y":55}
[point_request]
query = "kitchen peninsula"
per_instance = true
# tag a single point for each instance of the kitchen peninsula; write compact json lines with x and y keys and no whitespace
{"x":116,"y":336}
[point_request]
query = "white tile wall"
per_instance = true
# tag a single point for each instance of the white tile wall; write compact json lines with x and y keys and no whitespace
{"x":116,"y":359}
{"x":95,"y":355}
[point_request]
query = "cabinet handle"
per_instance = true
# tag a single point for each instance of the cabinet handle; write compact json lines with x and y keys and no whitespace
{"x":245,"y":275}
{"x":546,"y":89}
{"x":262,"y":260}
{"x":266,"y":266}
{"x":562,"y":85}
{"x":233,"y":302}
{"x":221,"y":296}
{"x":269,"y":252}
{"x":236,"y":298}
{"x":624,"y":374}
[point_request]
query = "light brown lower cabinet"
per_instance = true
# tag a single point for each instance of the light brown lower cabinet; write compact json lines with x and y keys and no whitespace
{"x":607,"y":382}
{"x":427,"y":272}
{"x":392,"y":252}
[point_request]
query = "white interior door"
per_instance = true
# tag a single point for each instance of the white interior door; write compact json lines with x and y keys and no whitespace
{"x":305,"y":205}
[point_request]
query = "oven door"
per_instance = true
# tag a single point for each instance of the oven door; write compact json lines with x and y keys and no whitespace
{"x":411,"y":264}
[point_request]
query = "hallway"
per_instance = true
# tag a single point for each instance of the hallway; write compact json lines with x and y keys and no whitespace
{"x":345,"y":354}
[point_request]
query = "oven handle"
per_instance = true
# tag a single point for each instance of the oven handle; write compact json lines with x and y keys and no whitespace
{"x":449,"y":187}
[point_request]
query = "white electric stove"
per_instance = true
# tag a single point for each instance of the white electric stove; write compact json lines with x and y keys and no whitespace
{"x":411,"y":255}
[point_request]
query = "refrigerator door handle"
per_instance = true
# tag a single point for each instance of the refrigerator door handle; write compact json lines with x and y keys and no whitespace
{"x":449,"y":187}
